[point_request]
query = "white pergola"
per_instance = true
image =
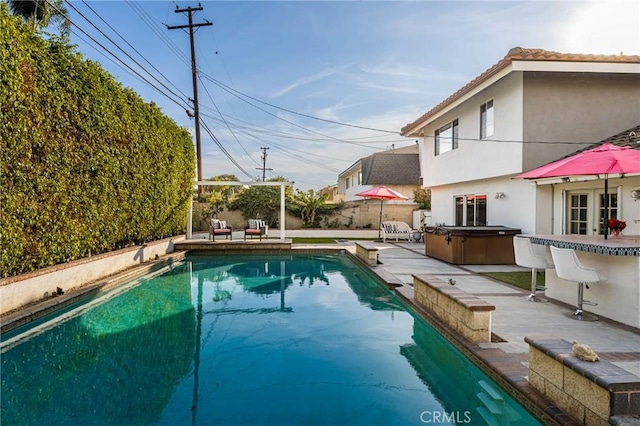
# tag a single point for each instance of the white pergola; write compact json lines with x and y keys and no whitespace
{"x":282,"y":186}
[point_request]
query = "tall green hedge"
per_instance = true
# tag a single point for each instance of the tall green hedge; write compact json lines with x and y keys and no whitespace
{"x":86,"y":166}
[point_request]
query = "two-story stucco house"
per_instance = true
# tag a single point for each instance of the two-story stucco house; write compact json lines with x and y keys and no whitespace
{"x":399,"y":169}
{"x":530,"y":108}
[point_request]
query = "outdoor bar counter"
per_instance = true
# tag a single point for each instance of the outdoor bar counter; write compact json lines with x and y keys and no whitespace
{"x":617,"y":258}
{"x":471,"y":245}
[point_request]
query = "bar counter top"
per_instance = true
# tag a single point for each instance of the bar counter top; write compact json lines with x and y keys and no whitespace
{"x":623,"y":245}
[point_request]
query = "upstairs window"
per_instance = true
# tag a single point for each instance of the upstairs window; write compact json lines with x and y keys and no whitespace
{"x":446,"y":138}
{"x":486,"y":120}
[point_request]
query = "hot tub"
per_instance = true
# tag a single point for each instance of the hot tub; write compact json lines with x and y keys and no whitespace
{"x":471,"y":245}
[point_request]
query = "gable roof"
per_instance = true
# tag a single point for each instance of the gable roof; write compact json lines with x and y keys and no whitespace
{"x":386,"y":168}
{"x":518,"y":54}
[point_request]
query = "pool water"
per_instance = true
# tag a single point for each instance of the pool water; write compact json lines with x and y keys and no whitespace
{"x":235,"y":340}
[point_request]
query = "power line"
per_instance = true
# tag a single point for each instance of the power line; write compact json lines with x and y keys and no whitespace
{"x":225,"y":87}
{"x":280,"y":118}
{"x":120,"y":49}
{"x":134,"y":49}
{"x":148,"y":20}
{"x":225,"y":121}
{"x":282,"y":134}
{"x":224,"y":150}
{"x":110,"y":52}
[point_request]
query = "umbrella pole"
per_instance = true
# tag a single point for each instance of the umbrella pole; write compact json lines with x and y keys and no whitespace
{"x":606,"y":206}
{"x":380,"y":221}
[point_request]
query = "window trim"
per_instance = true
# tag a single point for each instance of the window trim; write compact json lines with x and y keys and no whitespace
{"x":453,"y":125}
{"x":484,"y":124}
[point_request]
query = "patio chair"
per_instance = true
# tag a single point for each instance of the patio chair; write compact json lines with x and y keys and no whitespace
{"x":256,"y":227}
{"x":219,"y":227}
{"x":568,"y":267}
{"x":531,"y":256}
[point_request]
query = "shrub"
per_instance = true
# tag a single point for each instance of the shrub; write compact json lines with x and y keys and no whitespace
{"x":86,"y":166}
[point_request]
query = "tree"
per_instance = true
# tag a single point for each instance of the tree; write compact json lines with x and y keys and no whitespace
{"x":42,"y":13}
{"x":306,"y":205}
{"x":422,"y":197}
{"x":261,"y":201}
{"x":219,"y":196}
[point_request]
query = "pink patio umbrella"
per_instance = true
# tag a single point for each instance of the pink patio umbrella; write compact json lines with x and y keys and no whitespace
{"x":381,"y":193}
{"x":606,"y":159}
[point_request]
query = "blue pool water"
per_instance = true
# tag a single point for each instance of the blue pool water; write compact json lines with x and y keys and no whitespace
{"x":235,"y":340}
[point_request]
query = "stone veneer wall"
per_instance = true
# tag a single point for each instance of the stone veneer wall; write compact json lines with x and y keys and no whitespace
{"x":592,"y":392}
{"x":367,"y":253}
{"x":466,"y":314}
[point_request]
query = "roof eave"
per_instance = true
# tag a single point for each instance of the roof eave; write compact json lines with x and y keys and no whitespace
{"x":469,"y":90}
{"x":506,"y":66}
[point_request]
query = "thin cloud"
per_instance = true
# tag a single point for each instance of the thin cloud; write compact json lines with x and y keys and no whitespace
{"x":330,"y":112}
{"x":310,"y":79}
{"x":406,"y":90}
{"x":408,"y":71}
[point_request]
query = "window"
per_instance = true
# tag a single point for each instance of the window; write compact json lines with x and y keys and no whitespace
{"x":446,"y":138}
{"x":486,"y":120}
{"x":360,"y":178}
{"x":459,"y":211}
{"x":471,"y":210}
{"x":348,"y":182}
{"x":578,"y":214}
{"x":613,"y":211}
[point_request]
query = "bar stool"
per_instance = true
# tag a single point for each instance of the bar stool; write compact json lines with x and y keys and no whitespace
{"x":569,"y":268}
{"x":531,"y":256}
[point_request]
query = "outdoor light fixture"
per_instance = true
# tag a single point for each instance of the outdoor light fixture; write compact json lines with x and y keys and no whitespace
{"x":635,"y":194}
{"x":500,"y":195}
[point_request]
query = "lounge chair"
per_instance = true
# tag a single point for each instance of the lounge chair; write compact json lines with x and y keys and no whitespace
{"x":219,"y":227}
{"x":256,"y":227}
{"x":396,"y":230}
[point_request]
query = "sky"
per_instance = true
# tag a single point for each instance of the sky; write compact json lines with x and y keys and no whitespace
{"x":325,"y":83}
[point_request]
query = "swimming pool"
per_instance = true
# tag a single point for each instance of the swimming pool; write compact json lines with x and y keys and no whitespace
{"x":304,"y":340}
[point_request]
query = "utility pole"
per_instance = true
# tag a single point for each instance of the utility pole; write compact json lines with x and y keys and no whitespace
{"x":264,"y":163}
{"x":194,"y":71}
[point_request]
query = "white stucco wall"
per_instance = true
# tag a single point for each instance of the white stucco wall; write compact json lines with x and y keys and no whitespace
{"x":478,"y":159}
{"x":517,"y":209}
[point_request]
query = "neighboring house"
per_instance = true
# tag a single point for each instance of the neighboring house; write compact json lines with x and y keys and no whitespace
{"x":399,"y":169}
{"x":332,"y":192}
{"x":530,"y":108}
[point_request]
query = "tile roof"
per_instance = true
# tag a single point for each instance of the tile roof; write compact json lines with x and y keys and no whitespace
{"x":630,"y":137}
{"x":386,"y":168}
{"x":521,"y":54}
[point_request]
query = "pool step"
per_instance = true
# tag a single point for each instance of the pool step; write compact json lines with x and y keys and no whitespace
{"x":494,"y":409}
{"x":491,"y":390}
{"x":488,"y":417}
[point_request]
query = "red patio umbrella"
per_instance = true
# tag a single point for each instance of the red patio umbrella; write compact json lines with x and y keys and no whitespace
{"x":606,"y":159}
{"x":381,"y":193}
